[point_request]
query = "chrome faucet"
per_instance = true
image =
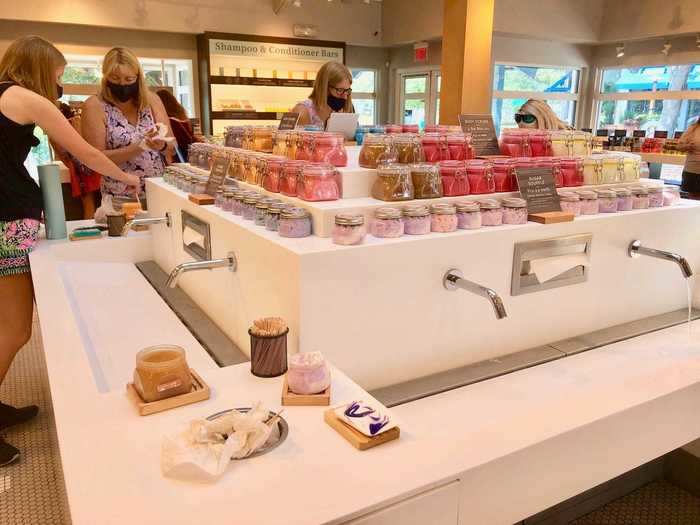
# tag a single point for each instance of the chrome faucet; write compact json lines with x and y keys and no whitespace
{"x":229,"y":262}
{"x":637,"y":250}
{"x":146,"y":220}
{"x":453,"y":279}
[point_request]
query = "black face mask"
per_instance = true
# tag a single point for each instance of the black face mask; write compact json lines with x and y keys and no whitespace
{"x":123,"y":93}
{"x":335,"y":103}
{"x":59,"y":91}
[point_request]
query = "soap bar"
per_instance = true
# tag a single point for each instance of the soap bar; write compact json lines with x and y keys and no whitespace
{"x":370,"y":418}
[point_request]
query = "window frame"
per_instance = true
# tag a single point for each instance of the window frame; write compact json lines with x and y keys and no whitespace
{"x":361,"y":95}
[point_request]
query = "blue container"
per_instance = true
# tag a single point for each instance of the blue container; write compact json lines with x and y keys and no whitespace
{"x":54,"y":212}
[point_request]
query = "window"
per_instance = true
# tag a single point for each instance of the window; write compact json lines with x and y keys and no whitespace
{"x":514,"y":84}
{"x":364,"y":95}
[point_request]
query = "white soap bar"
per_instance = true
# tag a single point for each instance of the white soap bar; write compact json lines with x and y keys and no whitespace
{"x":371,"y":418}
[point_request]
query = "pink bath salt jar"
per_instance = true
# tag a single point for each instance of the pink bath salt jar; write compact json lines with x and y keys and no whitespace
{"x":410,"y":128}
{"x":318,"y":182}
{"x":624,"y":199}
{"x":272,"y":173}
{"x":435,"y":147}
{"x":480,"y":176}
{"x":491,"y":212}
{"x":294,"y":223}
{"x":393,"y":128}
{"x":291,"y":171}
{"x":656,"y":196}
{"x":504,"y":175}
{"x":552,"y":163}
{"x":640,"y":198}
{"x":515,"y":143}
{"x":570,"y":203}
{"x":330,"y":148}
{"x":349,"y":229}
{"x":308,"y":373}
{"x":453,"y":174}
{"x":672,"y":195}
{"x":514,"y":211}
{"x":304,"y":150}
{"x":416,"y":220}
{"x":607,"y":201}
{"x":387,"y":223}
{"x":571,"y":171}
{"x":443,"y":218}
{"x":460,"y":146}
{"x":468,"y":215}
{"x":589,"y":202}
{"x":540,"y":143}
{"x":437,"y":128}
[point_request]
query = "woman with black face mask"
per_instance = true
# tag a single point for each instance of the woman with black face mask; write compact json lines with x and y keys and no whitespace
{"x":332,"y":93}
{"x":121,"y":121}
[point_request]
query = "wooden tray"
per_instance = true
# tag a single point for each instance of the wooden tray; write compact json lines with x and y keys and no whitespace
{"x":200,"y":392}
{"x":356,"y":438}
{"x":551,"y":217}
{"x":201,"y":198}
{"x":289,"y":398}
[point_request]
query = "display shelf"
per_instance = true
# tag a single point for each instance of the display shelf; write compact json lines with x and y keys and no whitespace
{"x":663,"y":158}
{"x":248,"y":81}
{"x":245,"y":115}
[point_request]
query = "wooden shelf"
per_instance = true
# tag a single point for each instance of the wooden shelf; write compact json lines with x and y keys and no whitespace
{"x":250,"y":81}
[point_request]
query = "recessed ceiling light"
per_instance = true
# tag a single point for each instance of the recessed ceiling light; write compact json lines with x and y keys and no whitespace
{"x":666,"y":49}
{"x":296,"y":3}
{"x":620,"y":51}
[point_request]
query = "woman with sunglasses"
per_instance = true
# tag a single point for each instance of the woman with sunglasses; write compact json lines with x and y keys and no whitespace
{"x":537,"y":114}
{"x":332,"y":92}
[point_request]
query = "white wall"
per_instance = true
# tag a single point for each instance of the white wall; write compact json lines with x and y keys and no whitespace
{"x":640,"y":19}
{"x":684,"y":50}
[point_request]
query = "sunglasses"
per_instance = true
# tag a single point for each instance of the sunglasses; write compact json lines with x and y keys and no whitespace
{"x":341,"y":91}
{"x":525,"y":118}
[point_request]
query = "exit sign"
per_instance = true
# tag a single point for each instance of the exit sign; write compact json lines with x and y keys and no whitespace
{"x":420,"y":52}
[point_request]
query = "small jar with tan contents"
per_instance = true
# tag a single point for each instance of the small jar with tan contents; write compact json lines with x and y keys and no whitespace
{"x":161,"y":372}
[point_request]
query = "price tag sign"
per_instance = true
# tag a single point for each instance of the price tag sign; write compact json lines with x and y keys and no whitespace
{"x":289,"y":121}
{"x":219,"y":169}
{"x":538,"y":188}
{"x":484,"y":140}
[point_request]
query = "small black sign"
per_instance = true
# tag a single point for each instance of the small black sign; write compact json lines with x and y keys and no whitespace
{"x":661,"y":134}
{"x":289,"y":121}
{"x":677,"y":134}
{"x":602,"y":133}
{"x":538,"y":188}
{"x":639,"y":133}
{"x":620,"y":133}
{"x":219,"y":170}
{"x":484,"y":140}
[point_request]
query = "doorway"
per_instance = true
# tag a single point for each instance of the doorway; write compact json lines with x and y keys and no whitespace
{"x":418,"y":96}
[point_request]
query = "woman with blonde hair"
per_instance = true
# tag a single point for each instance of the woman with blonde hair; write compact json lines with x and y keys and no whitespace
{"x":332,"y":92}
{"x":30,"y":84}
{"x":121,"y":121}
{"x":690,"y":144}
{"x":537,"y":114}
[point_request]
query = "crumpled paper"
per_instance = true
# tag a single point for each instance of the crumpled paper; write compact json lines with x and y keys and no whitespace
{"x":204,"y":449}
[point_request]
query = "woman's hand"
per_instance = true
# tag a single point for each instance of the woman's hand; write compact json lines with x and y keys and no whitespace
{"x":131,"y":180}
{"x":153,"y":141}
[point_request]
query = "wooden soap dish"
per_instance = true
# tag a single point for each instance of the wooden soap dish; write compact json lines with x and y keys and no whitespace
{"x":200,"y":391}
{"x":551,"y":217}
{"x":356,"y":438}
{"x":201,"y":198}
{"x":289,"y":398}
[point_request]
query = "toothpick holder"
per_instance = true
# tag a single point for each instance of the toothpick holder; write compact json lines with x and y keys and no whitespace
{"x":268,"y":354}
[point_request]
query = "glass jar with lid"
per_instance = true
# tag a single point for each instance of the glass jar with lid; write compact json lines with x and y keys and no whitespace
{"x":250,"y":202}
{"x":279,"y":142}
{"x":570,"y":202}
{"x":454,"y":178}
{"x":199,"y":185}
{"x":515,"y":143}
{"x":514,"y":211}
{"x":234,"y":136}
{"x":237,"y":204}
{"x":672,"y":195}
{"x":387,"y":223}
{"x":219,"y":198}
{"x":540,"y":143}
{"x":330,"y":149}
{"x":630,"y":169}
{"x":593,"y":171}
{"x":562,"y":143}
{"x":459,"y":146}
{"x":613,"y":169}
{"x":262,"y":139}
{"x":161,"y":372}
{"x":294,"y":223}
{"x":410,"y":128}
{"x":480,"y":175}
{"x":491,"y":212}
{"x":393,"y":183}
{"x":291,"y":146}
{"x":624,"y":199}
{"x":227,"y":201}
{"x":237,"y":167}
{"x":607,"y":201}
{"x":443,"y":218}
{"x":437,"y":128}
{"x":349,"y":229}
{"x":640,"y":197}
{"x":305,"y":141}
{"x":581,"y":143}
{"x":553,"y":164}
{"x":504,"y":174}
{"x":408,"y":148}
{"x":291,"y":171}
{"x":376,"y":150}
{"x":656,"y":196}
{"x":318,"y":182}
{"x":393,"y":128}
{"x":571,"y":171}
{"x":261,"y":210}
{"x":272,"y":218}
{"x":416,"y":219}
{"x":272,"y":173}
{"x":427,"y":183}
{"x":435,"y":147}
{"x":589,"y":202}
{"x":193,"y":151}
{"x":468,"y":215}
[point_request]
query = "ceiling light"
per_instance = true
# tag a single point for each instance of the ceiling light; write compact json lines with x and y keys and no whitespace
{"x":296,"y":3}
{"x":666,"y":49}
{"x":620,"y":51}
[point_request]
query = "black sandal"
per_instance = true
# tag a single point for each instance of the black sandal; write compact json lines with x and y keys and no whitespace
{"x":8,"y":453}
{"x":11,"y":416}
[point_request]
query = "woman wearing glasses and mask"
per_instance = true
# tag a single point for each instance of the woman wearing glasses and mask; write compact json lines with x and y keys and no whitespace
{"x":331,"y":94}
{"x":536,"y":114}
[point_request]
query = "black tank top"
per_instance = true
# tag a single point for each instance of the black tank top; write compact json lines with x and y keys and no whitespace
{"x":20,"y":196}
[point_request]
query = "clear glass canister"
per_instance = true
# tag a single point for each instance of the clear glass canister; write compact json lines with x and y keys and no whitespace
{"x":630,"y":169}
{"x":427,"y":183}
{"x":291,"y":171}
{"x":305,"y":141}
{"x":514,"y":211}
{"x":279,"y":142}
{"x":416,"y":219}
{"x":294,"y":223}
{"x":540,"y":143}
{"x":480,"y":175}
{"x":329,"y":148}
{"x":387,"y":223}
{"x":318,"y":182}
{"x":349,"y":229}
{"x":624,"y":199}
{"x":436,"y":128}
{"x":291,"y":147}
{"x":515,"y":143}
{"x":562,"y":143}
{"x":408,"y":148}
{"x":553,"y":164}
{"x":273,"y":173}
{"x":672,"y":195}
{"x":581,"y":143}
{"x":227,"y":201}
{"x":592,"y":171}
{"x":607,"y":201}
{"x":468,"y":215}
{"x":261,"y":211}
{"x":454,"y":178}
{"x":272,"y":219}
{"x":491,"y":212}
{"x":410,"y":128}
{"x":656,"y":196}
{"x":435,"y":147}
{"x":640,"y":198}
{"x":393,"y":128}
{"x":460,"y":146}
{"x":393,"y":183}
{"x":570,"y":203}
{"x":162,"y":372}
{"x":589,"y":202}
{"x":250,"y":202}
{"x":237,"y":204}
{"x":443,"y":218}
{"x":571,"y":171}
{"x":504,"y":174}
{"x":233,"y":137}
{"x":613,"y":170}
{"x":262,"y":139}
{"x":219,"y":198}
{"x":377,"y":149}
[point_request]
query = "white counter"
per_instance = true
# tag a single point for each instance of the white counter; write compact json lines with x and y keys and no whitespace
{"x":517,"y":444}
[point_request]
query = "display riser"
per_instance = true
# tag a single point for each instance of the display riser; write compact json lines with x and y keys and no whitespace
{"x":379,"y":310}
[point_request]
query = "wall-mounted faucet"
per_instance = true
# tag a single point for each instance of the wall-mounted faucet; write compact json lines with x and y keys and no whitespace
{"x":453,"y":279}
{"x":145,"y":221}
{"x":229,"y":262}
{"x":636,"y":249}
